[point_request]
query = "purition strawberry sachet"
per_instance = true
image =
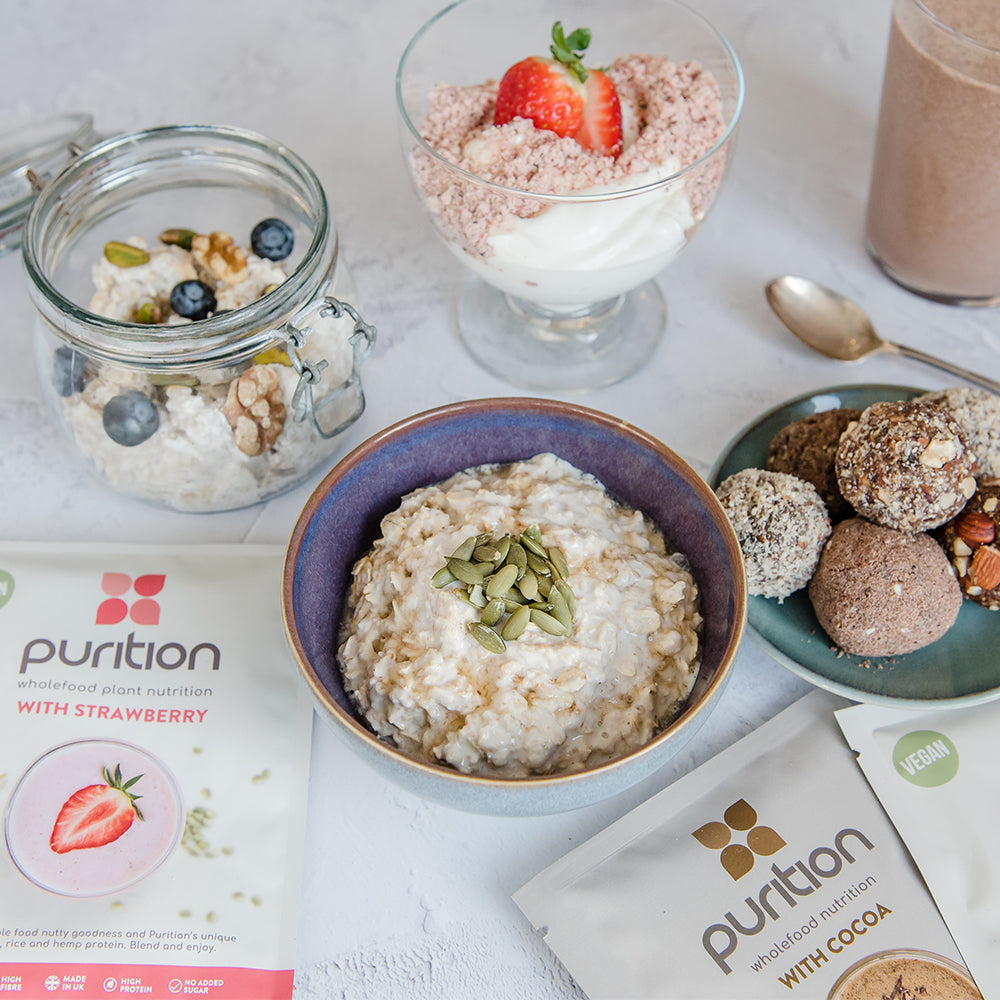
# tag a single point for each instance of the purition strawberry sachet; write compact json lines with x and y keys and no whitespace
{"x":148,"y":837}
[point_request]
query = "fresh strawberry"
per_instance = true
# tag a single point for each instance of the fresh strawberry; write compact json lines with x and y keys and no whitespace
{"x":601,"y":128}
{"x":96,"y":815}
{"x":562,"y":96}
{"x":542,"y":91}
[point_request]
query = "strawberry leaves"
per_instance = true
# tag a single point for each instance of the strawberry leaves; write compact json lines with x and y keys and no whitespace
{"x":115,"y":781}
{"x":569,"y":51}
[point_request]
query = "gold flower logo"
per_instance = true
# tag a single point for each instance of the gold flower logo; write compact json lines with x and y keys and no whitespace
{"x":738,"y":859}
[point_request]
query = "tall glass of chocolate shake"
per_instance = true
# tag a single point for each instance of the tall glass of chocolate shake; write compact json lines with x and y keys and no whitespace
{"x":934,"y":208}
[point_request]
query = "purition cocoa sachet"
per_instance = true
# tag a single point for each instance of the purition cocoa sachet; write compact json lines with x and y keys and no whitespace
{"x":769,"y":871}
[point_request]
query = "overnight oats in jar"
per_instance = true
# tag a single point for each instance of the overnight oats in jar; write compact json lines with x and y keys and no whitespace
{"x":92,"y":817}
{"x":195,"y":332}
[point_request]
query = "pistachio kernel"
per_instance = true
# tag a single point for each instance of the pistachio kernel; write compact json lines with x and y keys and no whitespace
{"x":273,"y":356}
{"x":178,"y":237}
{"x":124,"y":254}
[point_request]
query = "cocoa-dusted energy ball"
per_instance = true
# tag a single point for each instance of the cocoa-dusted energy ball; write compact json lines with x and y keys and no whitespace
{"x":882,"y":592}
{"x":781,"y":524}
{"x":972,"y":541}
{"x":807,"y":449}
{"x":977,"y":412}
{"x":906,"y":465}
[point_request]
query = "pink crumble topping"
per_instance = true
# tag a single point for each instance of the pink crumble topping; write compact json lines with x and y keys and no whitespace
{"x":672,"y":113}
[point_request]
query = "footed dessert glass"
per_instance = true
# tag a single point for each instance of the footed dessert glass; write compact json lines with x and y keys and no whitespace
{"x":562,"y":293}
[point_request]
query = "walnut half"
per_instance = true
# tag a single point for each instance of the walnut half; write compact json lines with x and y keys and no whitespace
{"x":218,"y":256}
{"x":255,"y":409}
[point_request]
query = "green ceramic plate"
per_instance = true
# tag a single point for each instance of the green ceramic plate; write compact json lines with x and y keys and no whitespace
{"x":961,"y":668}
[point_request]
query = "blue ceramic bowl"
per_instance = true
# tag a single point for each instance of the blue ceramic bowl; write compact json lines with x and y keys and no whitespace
{"x":341,"y":520}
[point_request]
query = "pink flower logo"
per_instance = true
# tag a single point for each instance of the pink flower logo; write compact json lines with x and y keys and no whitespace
{"x":119,"y":586}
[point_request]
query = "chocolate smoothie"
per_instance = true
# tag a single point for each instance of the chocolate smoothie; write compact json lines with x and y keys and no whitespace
{"x":905,"y":976}
{"x":934,"y":207}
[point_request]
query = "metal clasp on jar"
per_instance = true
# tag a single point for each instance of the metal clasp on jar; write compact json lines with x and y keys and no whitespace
{"x":304,"y":404}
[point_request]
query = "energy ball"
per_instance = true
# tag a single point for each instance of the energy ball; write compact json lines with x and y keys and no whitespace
{"x":807,"y":449}
{"x":977,"y":412}
{"x":906,"y":465}
{"x":882,"y":592}
{"x":781,"y":524}
{"x":972,"y":542}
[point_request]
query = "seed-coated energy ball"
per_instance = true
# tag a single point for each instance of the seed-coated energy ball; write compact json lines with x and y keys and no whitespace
{"x":781,"y":524}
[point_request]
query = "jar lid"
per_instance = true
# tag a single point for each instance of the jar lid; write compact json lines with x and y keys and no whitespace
{"x":29,"y":157}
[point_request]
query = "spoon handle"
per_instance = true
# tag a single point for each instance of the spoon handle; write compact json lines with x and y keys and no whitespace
{"x":970,"y":376}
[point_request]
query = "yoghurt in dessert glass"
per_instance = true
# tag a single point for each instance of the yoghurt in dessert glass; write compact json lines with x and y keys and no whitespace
{"x":46,"y":789}
{"x":564,"y":243}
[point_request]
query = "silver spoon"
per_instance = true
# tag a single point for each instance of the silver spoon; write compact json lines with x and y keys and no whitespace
{"x":837,"y":327}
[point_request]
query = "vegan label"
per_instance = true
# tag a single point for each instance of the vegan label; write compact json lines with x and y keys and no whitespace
{"x":925,"y":758}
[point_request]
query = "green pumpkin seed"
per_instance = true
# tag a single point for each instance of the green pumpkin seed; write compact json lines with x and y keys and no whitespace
{"x":486,"y":553}
{"x":560,"y":609}
{"x":124,"y":254}
{"x":501,"y":582}
{"x":547,"y":623}
{"x":465,"y":571}
{"x":503,"y":547}
{"x":182,"y":238}
{"x":516,"y":624}
{"x":544,"y":586}
{"x":567,"y":591}
{"x":465,"y":550}
{"x":528,"y":585}
{"x":558,"y":559}
{"x":533,"y":545}
{"x":443,"y":577}
{"x":493,"y":612}
{"x":518,"y":557}
{"x":533,"y":532}
{"x":487,"y":637}
{"x":539,"y":564}
{"x":513,"y":600}
{"x":477,"y":598}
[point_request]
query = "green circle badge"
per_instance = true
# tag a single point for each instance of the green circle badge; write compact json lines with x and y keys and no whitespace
{"x":926,"y":758}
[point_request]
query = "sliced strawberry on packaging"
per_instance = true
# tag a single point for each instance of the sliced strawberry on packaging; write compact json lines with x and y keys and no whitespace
{"x":96,"y":815}
{"x":562,"y":96}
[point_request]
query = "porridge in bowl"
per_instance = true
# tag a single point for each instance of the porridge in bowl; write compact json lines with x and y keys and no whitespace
{"x":558,"y":696}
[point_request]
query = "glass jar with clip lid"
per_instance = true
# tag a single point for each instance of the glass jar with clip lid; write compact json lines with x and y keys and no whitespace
{"x":195,"y":333}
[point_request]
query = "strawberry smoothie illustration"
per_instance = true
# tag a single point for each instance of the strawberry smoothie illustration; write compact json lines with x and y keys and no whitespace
{"x":92,"y":817}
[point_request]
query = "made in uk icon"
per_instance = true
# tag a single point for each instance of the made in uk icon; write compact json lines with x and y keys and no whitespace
{"x":128,"y":598}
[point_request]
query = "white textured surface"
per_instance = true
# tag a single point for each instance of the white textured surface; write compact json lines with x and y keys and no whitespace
{"x":402,"y":898}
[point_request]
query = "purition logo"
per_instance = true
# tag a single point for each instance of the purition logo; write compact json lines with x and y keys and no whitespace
{"x":114,"y":608}
{"x":738,"y":859}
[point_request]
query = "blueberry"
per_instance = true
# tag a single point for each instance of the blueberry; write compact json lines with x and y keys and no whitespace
{"x":192,"y":299}
{"x":67,"y":371}
{"x":272,"y":239}
{"x":131,"y":418}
